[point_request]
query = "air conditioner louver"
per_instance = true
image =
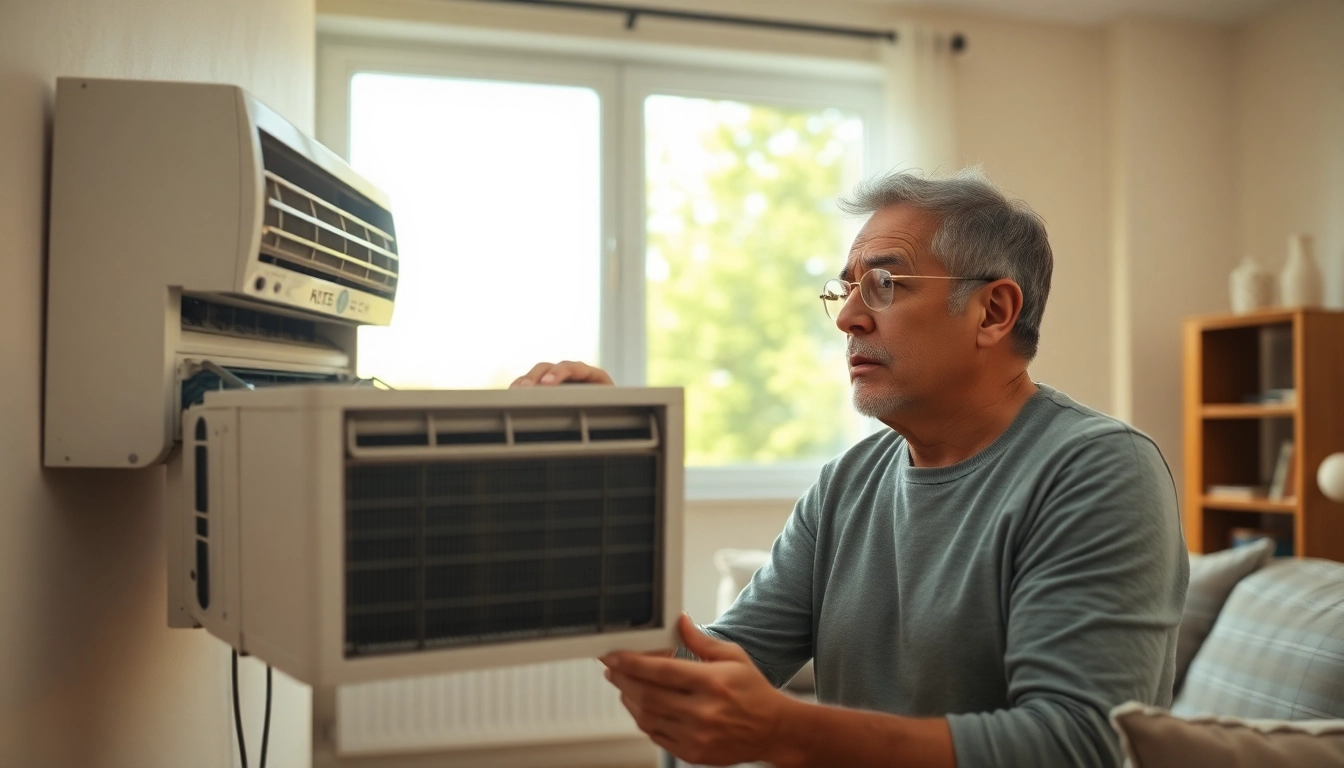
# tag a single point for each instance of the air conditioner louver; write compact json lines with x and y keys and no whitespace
{"x":444,"y":553}
{"x":307,"y":231}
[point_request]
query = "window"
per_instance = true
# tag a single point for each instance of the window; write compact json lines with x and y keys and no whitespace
{"x":672,"y":225}
{"x":740,"y":226}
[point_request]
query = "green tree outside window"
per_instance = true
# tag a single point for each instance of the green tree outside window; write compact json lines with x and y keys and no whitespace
{"x":742,"y":230}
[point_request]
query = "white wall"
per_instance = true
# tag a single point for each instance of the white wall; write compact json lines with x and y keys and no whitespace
{"x":92,"y":676}
{"x":1290,"y":144}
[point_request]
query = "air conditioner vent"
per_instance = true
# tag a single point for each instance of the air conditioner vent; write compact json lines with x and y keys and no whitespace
{"x":485,"y":432}
{"x":212,"y":317}
{"x":457,"y":553}
{"x":316,"y":226}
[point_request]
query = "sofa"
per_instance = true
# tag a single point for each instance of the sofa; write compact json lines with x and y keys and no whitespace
{"x":1259,"y":665}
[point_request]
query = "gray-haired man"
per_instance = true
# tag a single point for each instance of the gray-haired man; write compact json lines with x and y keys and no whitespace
{"x":979,"y":584}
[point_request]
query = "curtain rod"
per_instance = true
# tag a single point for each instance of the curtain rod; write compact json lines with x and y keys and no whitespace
{"x":632,"y":14}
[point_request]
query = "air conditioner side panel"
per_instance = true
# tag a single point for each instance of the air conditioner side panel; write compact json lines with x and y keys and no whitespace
{"x":144,"y":200}
{"x":211,"y":554}
{"x":674,"y":493}
{"x":281,"y":493}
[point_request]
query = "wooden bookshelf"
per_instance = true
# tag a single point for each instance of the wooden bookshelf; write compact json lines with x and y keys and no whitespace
{"x":1229,"y":441}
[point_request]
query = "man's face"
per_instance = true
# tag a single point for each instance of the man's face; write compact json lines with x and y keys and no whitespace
{"x":915,"y":352}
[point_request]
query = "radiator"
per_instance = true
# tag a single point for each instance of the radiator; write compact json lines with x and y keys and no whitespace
{"x":564,"y":701}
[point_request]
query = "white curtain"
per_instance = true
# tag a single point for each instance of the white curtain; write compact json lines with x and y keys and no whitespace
{"x":921,"y":125}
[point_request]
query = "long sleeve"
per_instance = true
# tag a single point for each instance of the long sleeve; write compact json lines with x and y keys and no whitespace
{"x":773,"y":619}
{"x":1097,"y":585}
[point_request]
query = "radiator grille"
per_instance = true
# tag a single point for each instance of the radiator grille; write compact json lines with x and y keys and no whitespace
{"x":456,"y":553}
{"x":315,"y":226}
{"x":564,"y":701}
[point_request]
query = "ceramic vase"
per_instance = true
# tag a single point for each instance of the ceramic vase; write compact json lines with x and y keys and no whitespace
{"x":1300,"y":282}
{"x":1252,"y":287}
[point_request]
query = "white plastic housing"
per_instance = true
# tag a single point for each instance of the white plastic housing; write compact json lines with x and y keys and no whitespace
{"x":279,"y":464}
{"x":162,"y":191}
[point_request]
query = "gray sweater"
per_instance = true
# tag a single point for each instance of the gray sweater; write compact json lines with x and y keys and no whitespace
{"x":1022,"y":592}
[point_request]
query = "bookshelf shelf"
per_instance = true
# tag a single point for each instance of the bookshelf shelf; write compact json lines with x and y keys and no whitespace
{"x":1231,"y":442}
{"x":1247,"y":411}
{"x":1232,"y":503}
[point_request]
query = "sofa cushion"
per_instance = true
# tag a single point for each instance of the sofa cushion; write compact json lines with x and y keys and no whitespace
{"x":1154,"y":738}
{"x":1277,"y":648}
{"x":1212,"y":578}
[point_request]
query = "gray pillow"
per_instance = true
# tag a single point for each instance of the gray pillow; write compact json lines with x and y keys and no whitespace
{"x":1212,"y":578}
{"x":1277,"y":649}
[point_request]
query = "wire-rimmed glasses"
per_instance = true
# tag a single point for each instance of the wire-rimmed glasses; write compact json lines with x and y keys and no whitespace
{"x":876,"y":288}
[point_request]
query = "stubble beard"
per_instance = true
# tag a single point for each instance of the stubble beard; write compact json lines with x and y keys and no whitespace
{"x":876,"y":404}
{"x":871,"y":399}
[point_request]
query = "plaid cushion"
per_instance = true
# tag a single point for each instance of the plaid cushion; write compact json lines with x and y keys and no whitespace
{"x":1277,"y":649}
{"x":1212,"y":578}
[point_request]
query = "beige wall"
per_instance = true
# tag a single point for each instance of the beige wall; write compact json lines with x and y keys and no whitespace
{"x":1031,"y":110}
{"x":92,"y":676}
{"x":1290,"y":144}
{"x":1171,"y":111}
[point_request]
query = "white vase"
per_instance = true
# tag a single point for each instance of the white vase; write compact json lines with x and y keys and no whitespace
{"x":1252,"y":287}
{"x":1300,"y":282}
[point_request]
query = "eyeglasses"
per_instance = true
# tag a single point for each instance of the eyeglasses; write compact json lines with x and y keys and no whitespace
{"x":876,"y":288}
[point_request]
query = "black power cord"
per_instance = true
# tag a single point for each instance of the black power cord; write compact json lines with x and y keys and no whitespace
{"x":266,"y":729}
{"x":238,"y":716}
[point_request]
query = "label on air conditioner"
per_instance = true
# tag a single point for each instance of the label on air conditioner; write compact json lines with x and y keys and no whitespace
{"x":298,"y":290}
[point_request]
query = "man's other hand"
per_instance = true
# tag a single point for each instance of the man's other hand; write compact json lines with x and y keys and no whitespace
{"x":547,"y":374}
{"x":718,"y":711}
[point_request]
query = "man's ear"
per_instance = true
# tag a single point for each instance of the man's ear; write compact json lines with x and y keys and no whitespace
{"x":1000,"y":304}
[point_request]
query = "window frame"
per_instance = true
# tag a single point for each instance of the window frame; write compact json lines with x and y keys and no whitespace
{"x":622,"y":81}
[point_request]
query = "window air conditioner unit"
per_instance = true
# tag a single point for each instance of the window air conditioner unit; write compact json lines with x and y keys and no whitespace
{"x":194,"y":229}
{"x":348,"y":534}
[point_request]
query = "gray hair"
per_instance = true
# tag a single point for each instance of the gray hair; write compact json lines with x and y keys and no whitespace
{"x":981,"y":233}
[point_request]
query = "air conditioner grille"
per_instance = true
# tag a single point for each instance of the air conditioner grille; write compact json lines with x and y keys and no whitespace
{"x":313,"y":225}
{"x":457,"y":553}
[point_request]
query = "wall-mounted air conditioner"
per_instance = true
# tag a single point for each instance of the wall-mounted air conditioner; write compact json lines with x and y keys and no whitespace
{"x":192,"y":225}
{"x":350,"y":534}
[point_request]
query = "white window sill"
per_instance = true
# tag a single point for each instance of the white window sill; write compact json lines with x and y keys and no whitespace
{"x":749,"y":482}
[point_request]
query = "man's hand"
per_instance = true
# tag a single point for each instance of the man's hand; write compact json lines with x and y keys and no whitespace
{"x":718,"y":712}
{"x":547,"y":374}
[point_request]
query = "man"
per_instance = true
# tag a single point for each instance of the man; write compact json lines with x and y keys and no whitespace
{"x":980,"y":583}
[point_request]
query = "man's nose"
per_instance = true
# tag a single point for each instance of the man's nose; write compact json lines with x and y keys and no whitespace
{"x":854,"y":316}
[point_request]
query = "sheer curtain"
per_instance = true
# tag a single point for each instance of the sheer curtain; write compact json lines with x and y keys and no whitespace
{"x":921,"y":101}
